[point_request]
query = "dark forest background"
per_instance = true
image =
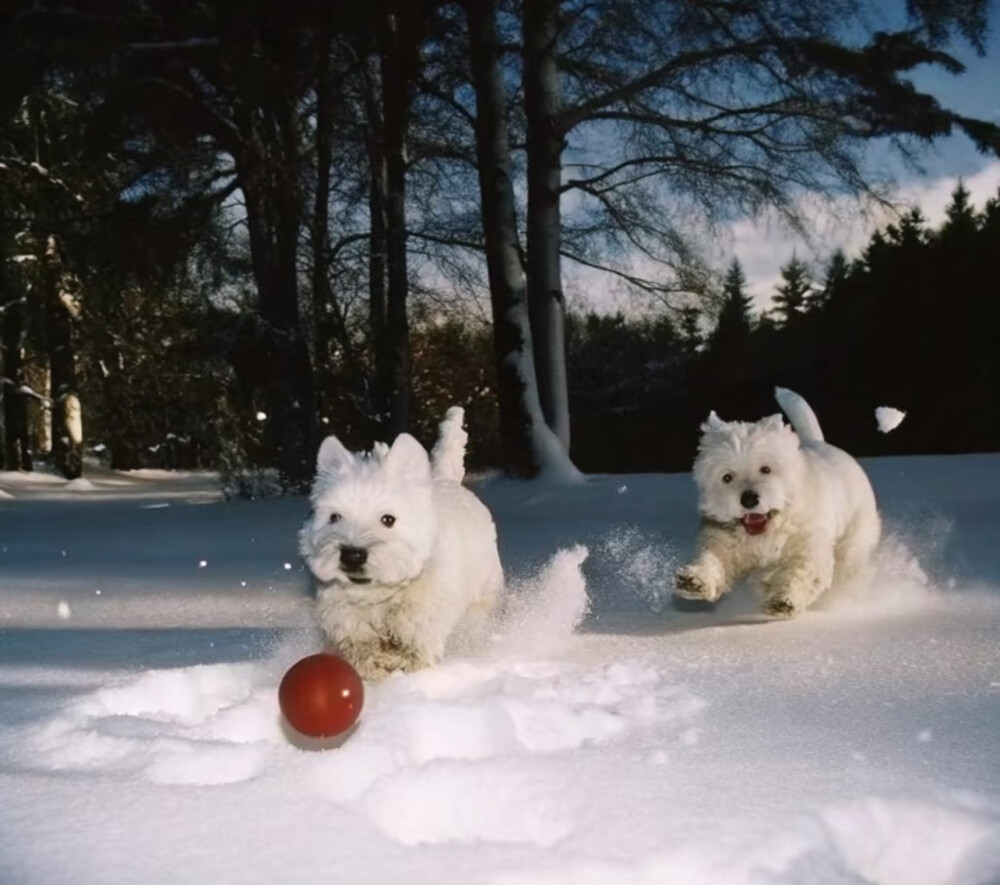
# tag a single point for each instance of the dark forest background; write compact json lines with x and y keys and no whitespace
{"x":228,"y":228}
{"x":913,"y":323}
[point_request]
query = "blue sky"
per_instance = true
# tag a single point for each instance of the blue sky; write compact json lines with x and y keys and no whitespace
{"x":975,"y":92}
{"x":762,"y":246}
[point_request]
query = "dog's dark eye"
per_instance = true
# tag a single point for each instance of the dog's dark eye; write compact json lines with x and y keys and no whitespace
{"x":727,"y":477}
{"x":765,"y":469}
{"x":334,"y":517}
{"x":388,"y":520}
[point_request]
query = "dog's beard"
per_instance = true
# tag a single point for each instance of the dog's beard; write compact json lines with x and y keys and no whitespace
{"x":388,"y":565}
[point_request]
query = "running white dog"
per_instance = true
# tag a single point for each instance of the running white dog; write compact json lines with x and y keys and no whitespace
{"x":795,"y":511}
{"x":404,"y":554}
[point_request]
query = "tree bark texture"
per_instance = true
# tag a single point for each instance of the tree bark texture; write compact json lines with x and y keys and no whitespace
{"x":522,"y":425}
{"x":544,"y":152}
{"x":66,"y":413}
{"x":268,"y":166}
{"x":17,"y":447}
{"x":321,"y":295}
{"x":378,"y":201}
{"x":399,"y":42}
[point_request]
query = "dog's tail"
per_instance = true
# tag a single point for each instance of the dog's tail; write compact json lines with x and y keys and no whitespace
{"x":800,"y":414}
{"x":448,"y":456}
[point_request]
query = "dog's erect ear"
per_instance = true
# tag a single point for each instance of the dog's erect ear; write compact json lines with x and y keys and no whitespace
{"x":772,"y":422}
{"x":713,"y":424}
{"x":333,"y":457}
{"x":407,"y":460}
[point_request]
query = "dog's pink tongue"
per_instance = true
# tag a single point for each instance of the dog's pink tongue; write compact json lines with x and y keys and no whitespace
{"x":755,"y":523}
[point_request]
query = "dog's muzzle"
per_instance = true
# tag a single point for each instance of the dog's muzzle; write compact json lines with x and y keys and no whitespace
{"x":352,"y":561}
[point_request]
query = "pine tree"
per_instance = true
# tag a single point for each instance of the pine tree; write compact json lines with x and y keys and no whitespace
{"x":837,"y":269}
{"x":961,"y":222}
{"x":690,"y":330}
{"x":874,"y":254}
{"x":736,"y":316}
{"x":911,"y":230}
{"x":794,"y":293}
{"x":991,"y":214}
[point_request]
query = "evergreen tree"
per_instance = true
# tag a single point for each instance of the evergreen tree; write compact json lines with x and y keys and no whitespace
{"x":991,"y":216}
{"x":837,"y":269}
{"x":690,"y":330}
{"x":911,"y":230}
{"x":961,"y":222}
{"x":875,"y":252}
{"x":794,"y":292}
{"x":736,"y":316}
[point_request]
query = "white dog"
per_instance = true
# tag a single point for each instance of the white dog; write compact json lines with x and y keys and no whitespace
{"x":795,"y":511}
{"x":403,"y":553}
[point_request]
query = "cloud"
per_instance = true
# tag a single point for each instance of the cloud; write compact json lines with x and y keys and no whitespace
{"x":763,"y":246}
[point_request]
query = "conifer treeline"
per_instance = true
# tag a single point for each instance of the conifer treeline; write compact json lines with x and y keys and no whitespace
{"x":913,"y":323}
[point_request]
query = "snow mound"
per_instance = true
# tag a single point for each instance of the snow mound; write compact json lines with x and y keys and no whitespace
{"x":471,"y":803}
{"x":883,"y":842}
{"x":871,"y":841}
{"x":206,"y":725}
{"x":455,"y":753}
{"x":886,"y":841}
{"x":80,"y":484}
{"x":450,"y":754}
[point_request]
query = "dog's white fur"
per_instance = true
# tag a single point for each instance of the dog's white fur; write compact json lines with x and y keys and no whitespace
{"x":815,"y":523}
{"x":421,"y":557}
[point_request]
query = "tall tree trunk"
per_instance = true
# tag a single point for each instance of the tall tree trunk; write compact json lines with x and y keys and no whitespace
{"x":529,"y":445}
{"x":544,"y":152}
{"x":66,"y":412}
{"x":328,"y":320}
{"x":268,"y":174}
{"x":17,"y":448}
{"x":399,"y":44}
{"x":378,"y":201}
{"x":13,"y":331}
{"x":321,"y":295}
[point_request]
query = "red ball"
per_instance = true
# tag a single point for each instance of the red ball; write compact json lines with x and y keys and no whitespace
{"x":321,"y":695}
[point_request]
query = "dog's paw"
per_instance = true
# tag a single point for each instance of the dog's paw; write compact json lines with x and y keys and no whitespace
{"x":379,"y":658}
{"x":378,"y":667}
{"x":689,"y":583}
{"x":780,"y":607}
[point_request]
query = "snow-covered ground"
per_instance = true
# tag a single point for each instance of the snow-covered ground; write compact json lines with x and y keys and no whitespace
{"x":145,"y":624}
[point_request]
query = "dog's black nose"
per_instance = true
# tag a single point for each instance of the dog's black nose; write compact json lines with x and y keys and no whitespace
{"x":749,"y":499}
{"x":352,"y":558}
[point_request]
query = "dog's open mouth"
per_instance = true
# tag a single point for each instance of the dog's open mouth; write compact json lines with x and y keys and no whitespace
{"x":358,"y":579}
{"x":755,"y":523}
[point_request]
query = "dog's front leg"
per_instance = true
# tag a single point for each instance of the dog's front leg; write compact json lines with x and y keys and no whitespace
{"x":706,"y":578}
{"x":804,"y":574}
